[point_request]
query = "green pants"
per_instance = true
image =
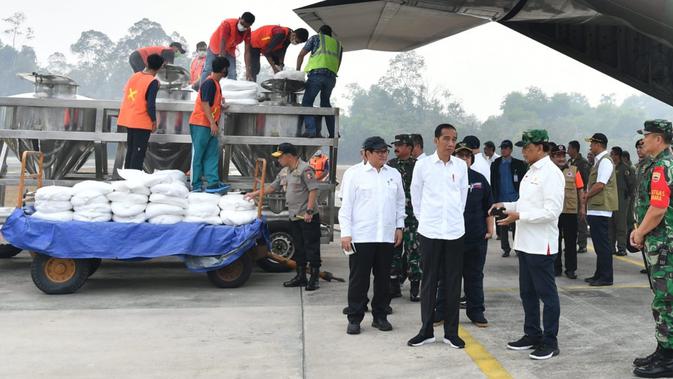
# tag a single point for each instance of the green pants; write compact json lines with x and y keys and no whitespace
{"x":661,"y":277}
{"x":205,"y":156}
{"x":406,"y":257}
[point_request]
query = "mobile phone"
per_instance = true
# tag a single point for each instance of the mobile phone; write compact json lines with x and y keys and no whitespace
{"x":352,"y":250}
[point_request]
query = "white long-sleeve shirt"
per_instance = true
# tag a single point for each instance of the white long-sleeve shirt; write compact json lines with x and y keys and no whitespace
{"x":372,"y":205}
{"x":540,"y":204}
{"x":438,"y":196}
{"x":347,"y":175}
{"x":482,"y":166}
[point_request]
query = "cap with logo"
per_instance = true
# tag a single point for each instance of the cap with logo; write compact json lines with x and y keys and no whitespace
{"x":535,"y":136}
{"x":374,"y":143}
{"x":472,"y":142}
{"x":598,"y":137}
{"x":285,"y":148}
{"x":506,"y":143}
{"x":403,"y":139}
{"x":657,"y":126}
{"x":462,"y":147}
{"x":178,"y":46}
{"x":558,"y":149}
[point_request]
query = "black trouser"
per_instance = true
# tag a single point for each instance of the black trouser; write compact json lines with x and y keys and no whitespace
{"x":306,"y":237}
{"x":504,"y":236}
{"x":441,"y":259}
{"x":536,"y":282}
{"x":369,"y":257}
{"x":567,"y":231}
{"x":473,"y":278}
{"x":136,"y":62}
{"x":599,"y":226}
{"x":255,"y":61}
{"x":136,"y":146}
{"x":582,"y":232}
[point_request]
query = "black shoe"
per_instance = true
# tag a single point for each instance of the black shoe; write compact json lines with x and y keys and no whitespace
{"x":420,"y":340}
{"x":413,"y":291}
{"x":590,"y":279}
{"x":640,"y":362}
{"x":345,"y":310}
{"x":543,"y":352}
{"x":571,"y":274}
{"x":581,"y":250}
{"x":643,"y":271}
{"x":314,"y":281}
{"x":660,"y":367}
{"x":480,"y":321}
{"x":524,"y":343}
{"x":299,"y":280}
{"x":353,"y":328}
{"x":454,"y":341}
{"x":389,"y":310}
{"x":395,"y":290}
{"x":505,"y":254}
{"x":600,"y":283}
{"x":621,"y":253}
{"x":382,"y":325}
{"x":463,"y":303}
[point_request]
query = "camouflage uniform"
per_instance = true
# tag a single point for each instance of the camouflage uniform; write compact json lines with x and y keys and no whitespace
{"x":655,"y":188}
{"x":407,"y":258}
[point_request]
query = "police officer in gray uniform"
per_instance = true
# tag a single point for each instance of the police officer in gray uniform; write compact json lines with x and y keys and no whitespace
{"x":298,"y":180}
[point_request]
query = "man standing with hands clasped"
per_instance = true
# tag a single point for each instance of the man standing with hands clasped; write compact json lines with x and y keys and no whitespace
{"x":536,"y":242}
{"x":372,"y":220}
{"x":439,"y":187}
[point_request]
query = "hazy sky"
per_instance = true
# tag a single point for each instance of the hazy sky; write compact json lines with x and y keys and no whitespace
{"x":479,"y":66}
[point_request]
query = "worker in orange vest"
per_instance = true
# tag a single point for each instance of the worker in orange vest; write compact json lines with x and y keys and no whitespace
{"x":203,"y":127}
{"x":138,"y":58}
{"x":138,"y":111}
{"x":320,"y":164}
{"x":272,"y":41}
{"x":223,"y":42}
{"x":196,"y":67}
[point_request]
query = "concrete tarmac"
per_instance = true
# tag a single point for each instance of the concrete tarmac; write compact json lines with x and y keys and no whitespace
{"x":155,"y":319}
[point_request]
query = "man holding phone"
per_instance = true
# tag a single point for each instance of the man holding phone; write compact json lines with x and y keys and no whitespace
{"x":372,"y":221}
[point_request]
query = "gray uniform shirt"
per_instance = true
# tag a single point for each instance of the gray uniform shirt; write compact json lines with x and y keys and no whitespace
{"x":297,"y":184}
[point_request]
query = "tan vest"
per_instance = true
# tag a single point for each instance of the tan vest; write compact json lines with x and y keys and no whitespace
{"x":606,"y":200}
{"x":570,"y":201}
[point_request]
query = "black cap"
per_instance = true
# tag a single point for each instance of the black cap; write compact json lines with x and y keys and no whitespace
{"x":506,"y":143}
{"x":472,"y":142}
{"x":489,"y":144}
{"x":285,"y":148}
{"x":403,"y":139}
{"x":374,"y":143}
{"x":462,"y":146}
{"x":557,"y":149}
{"x":178,"y":46}
{"x":598,"y":137}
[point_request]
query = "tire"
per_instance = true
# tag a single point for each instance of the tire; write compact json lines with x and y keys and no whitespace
{"x":8,"y":251}
{"x":55,"y":276}
{"x":94,"y":264}
{"x":282,"y":244}
{"x":234,"y":275}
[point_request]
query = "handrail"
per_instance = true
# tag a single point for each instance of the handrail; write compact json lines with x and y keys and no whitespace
{"x":38,"y":175}
{"x":259,"y":177}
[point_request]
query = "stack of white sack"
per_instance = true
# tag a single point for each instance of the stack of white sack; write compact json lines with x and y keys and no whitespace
{"x":291,"y":75}
{"x":52,"y":203}
{"x":90,"y":201}
{"x":168,"y":203}
{"x":236,"y":210}
{"x":239,"y":92}
{"x":203,"y":208}
{"x":128,"y":202}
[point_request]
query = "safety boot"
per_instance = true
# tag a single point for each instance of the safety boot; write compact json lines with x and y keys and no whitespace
{"x":314,"y":281}
{"x":299,"y":280}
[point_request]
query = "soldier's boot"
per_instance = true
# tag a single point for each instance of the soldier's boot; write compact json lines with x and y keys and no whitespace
{"x":640,"y":362}
{"x":299,"y":280}
{"x":659,"y":367}
{"x":395,"y":288}
{"x":413,"y":291}
{"x":314,"y":281}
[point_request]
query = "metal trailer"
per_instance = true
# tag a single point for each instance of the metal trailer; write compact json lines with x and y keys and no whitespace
{"x":248,"y":133}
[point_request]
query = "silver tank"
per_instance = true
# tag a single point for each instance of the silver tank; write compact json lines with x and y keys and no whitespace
{"x":61,"y":157}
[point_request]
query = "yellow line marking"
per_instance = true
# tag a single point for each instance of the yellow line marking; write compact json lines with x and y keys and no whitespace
{"x":623,"y":259}
{"x":574,"y":287}
{"x":486,"y":362}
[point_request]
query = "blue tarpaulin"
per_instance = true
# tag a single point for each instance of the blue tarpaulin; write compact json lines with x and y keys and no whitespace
{"x":112,"y":240}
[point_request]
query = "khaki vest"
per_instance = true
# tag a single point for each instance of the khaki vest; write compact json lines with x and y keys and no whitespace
{"x":570,"y":201}
{"x":606,"y":200}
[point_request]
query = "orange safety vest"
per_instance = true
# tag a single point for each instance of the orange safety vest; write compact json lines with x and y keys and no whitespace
{"x":198,"y":117}
{"x":196,"y":68}
{"x":133,"y":112}
{"x":261,"y":37}
{"x":318,"y":164}
{"x":147,"y":51}
{"x":228,"y":28}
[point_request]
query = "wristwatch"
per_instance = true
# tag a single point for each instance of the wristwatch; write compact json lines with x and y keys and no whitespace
{"x":309,"y":212}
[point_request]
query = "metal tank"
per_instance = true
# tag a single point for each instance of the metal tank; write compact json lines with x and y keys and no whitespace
{"x":61,"y":157}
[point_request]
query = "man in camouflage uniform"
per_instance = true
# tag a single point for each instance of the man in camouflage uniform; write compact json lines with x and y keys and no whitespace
{"x":406,"y":258}
{"x":644,"y":161}
{"x":654,"y":234}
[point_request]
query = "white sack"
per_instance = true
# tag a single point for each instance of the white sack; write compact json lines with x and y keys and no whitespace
{"x":60,"y":216}
{"x":174,"y":190}
{"x":246,"y":94}
{"x":203,"y":198}
{"x":94,"y":207}
{"x":242,"y":101}
{"x":213,"y":220}
{"x":56,"y":193}
{"x":236,"y":218}
{"x":127,"y":209}
{"x":290,"y":74}
{"x":237,"y":85}
{"x":92,"y":185}
{"x":53,"y":206}
{"x":103,"y":217}
{"x":127,"y":197}
{"x":88,"y":197}
{"x":138,"y":219}
{"x":131,"y":186}
{"x":164,"y":220}
{"x":157,"y":198}
{"x":154,"y":210}
{"x":202,"y":210}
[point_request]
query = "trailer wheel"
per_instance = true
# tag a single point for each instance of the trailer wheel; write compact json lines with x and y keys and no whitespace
{"x":55,"y":276}
{"x":94,"y":264}
{"x":8,"y":251}
{"x":234,"y":275}
{"x":282,"y":244}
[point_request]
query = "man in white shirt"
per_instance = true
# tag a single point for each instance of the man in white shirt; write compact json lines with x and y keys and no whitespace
{"x":417,"y":151}
{"x":489,"y":152}
{"x":480,"y":164}
{"x":602,"y":199}
{"x":438,"y":195}
{"x":536,"y":242}
{"x":372,"y":220}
